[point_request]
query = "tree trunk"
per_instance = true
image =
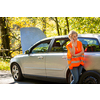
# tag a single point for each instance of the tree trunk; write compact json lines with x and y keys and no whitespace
{"x":65,"y":31}
{"x":67,"y":24}
{"x":44,"y":25}
{"x":57,"y":25}
{"x":5,"y":34}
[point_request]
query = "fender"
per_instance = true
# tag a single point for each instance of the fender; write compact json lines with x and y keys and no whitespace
{"x":14,"y":60}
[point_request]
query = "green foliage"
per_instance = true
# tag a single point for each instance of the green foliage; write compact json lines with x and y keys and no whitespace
{"x":4,"y":64}
{"x":85,"y":24}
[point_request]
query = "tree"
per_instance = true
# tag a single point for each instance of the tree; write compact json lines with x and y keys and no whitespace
{"x":44,"y":25}
{"x":67,"y":24}
{"x":85,"y":24}
{"x":57,"y":25}
{"x":5,"y":34}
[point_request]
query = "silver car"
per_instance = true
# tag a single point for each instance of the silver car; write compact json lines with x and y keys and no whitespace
{"x":47,"y":60}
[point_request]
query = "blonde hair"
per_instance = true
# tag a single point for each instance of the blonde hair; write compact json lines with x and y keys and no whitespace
{"x":72,"y":32}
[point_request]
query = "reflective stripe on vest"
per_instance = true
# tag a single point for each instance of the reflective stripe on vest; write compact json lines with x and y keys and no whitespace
{"x":77,"y":56}
{"x":69,"y":59}
{"x":76,"y":61}
{"x":73,"y":62}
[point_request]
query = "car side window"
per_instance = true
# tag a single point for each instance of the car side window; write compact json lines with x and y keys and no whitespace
{"x":41,"y":48}
{"x":59,"y":46}
{"x":90,"y":44}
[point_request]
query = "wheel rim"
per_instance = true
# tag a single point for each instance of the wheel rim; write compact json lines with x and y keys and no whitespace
{"x":90,"y":80}
{"x":15,"y":72}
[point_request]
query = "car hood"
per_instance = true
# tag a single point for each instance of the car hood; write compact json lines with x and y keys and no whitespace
{"x":29,"y":36}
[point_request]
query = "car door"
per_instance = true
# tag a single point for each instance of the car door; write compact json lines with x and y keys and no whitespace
{"x":34,"y":63}
{"x":92,"y":53}
{"x":56,"y":60}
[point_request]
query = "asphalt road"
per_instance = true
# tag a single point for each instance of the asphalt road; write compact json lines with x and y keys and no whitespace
{"x":6,"y":78}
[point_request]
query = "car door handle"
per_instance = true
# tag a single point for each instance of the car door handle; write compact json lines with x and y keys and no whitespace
{"x":64,"y":57}
{"x":40,"y":57}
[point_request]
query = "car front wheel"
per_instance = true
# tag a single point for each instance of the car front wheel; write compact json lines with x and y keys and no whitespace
{"x":16,"y":72}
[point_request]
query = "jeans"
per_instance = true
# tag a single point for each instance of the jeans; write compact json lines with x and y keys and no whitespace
{"x":76,"y":72}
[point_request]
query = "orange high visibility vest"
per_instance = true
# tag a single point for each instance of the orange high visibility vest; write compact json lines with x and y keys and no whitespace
{"x":74,"y":61}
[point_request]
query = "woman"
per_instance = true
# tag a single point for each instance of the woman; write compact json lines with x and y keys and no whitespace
{"x":75,"y":56}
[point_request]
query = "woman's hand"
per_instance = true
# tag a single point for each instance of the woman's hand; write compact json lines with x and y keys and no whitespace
{"x":74,"y":55}
{"x":72,"y":41}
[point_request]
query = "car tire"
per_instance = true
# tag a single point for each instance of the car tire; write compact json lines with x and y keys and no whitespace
{"x":16,"y":72}
{"x":90,"y":77}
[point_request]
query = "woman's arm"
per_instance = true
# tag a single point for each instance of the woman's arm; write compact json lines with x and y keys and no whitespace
{"x":72,"y":50}
{"x":78,"y":54}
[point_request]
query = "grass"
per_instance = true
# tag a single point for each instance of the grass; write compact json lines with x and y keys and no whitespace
{"x":4,"y":64}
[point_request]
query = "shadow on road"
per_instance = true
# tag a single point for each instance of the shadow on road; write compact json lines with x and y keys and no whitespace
{"x":6,"y":78}
{"x":32,"y":81}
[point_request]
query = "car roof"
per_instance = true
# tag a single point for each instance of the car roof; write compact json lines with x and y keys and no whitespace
{"x":79,"y":35}
{"x":90,"y":36}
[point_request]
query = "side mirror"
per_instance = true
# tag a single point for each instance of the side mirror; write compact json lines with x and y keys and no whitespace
{"x":27,"y":52}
